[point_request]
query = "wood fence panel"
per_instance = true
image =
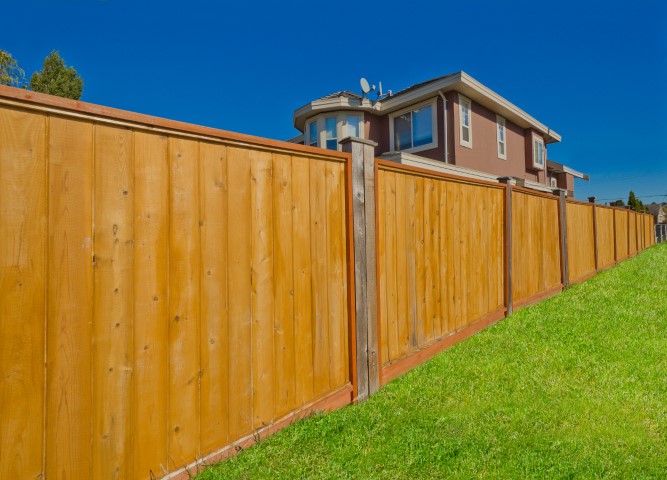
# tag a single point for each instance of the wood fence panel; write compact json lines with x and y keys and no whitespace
{"x":187,"y":288}
{"x":650,"y":229}
{"x":23,"y":237}
{"x":632,"y":233}
{"x":621,"y":234}
{"x":113,"y":309}
{"x":535,"y":246}
{"x":69,"y":299}
{"x":580,"y":241}
{"x":436,"y":258}
{"x":606,"y":236}
{"x":151,"y":294}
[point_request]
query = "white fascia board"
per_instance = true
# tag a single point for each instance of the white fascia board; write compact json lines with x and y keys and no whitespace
{"x":468,"y":86}
{"x":574,"y":172}
{"x":437,"y":166}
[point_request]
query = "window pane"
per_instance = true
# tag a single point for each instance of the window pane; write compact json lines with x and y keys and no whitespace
{"x":540,"y":153}
{"x":501,"y":133}
{"x":465,"y":132}
{"x":403,"y":131}
{"x":465,"y":115}
{"x":353,"y":125}
{"x":332,"y":144}
{"x":312,"y":133}
{"x":330,"y":126}
{"x":422,"y":126}
{"x":501,"y":148}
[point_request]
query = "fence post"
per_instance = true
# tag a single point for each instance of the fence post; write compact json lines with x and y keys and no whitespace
{"x":595,"y":231}
{"x":562,"y":210}
{"x":508,"y":181}
{"x":365,"y":279}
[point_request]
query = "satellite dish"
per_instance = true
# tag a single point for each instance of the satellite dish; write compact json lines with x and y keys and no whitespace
{"x":365,"y":87}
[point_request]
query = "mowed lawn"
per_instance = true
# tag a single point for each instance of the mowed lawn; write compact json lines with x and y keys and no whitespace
{"x":575,"y":387}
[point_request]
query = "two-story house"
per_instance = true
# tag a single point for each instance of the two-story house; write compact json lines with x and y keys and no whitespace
{"x":452,"y":124}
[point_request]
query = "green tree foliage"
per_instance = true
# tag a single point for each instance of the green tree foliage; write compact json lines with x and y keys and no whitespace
{"x":10,"y":72}
{"x":636,"y":204}
{"x":57,"y":79}
{"x":618,"y":203}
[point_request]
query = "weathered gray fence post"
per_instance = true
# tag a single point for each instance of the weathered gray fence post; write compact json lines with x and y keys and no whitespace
{"x":509,"y":181}
{"x":562,"y":210}
{"x":595,"y":231}
{"x":365,"y":279}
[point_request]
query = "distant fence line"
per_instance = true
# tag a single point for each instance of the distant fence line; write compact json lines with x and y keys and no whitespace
{"x":171,"y":293}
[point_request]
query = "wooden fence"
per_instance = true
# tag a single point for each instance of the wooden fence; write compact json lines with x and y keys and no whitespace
{"x":167,"y":290}
{"x":455,"y":255}
{"x":172,"y":292}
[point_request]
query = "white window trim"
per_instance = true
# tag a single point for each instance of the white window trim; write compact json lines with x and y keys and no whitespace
{"x":341,"y":127}
{"x":465,"y":100}
{"x":537,"y":139}
{"x":434,"y":126}
{"x":500,"y":121}
{"x":553,"y":182}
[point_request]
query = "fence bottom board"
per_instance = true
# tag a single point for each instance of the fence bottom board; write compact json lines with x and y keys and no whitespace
{"x":537,"y":298}
{"x":332,"y":401}
{"x":398,"y":368}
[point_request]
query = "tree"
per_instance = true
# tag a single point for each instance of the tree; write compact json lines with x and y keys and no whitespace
{"x":10,"y":72}
{"x":634,"y":203}
{"x":618,"y":203}
{"x":57,"y":79}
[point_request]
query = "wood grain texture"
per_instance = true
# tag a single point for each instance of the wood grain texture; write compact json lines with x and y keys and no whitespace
{"x":113,"y":312}
{"x":621,"y":234}
{"x":214,"y":344}
{"x":23,"y":232}
{"x":580,"y":240}
{"x":184,"y":302}
{"x":151,"y":292}
{"x":70,"y":300}
{"x":606,"y":233}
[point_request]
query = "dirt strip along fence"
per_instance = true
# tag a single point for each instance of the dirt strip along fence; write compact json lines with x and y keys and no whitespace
{"x":172,"y":293}
{"x":455,"y":255}
{"x":167,"y":290}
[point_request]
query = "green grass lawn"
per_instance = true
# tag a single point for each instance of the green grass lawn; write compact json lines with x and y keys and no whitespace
{"x":575,"y":387}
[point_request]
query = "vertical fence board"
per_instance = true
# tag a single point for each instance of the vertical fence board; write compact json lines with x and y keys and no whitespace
{"x":214,"y":340}
{"x":239,"y":245}
{"x":303,"y":335}
{"x":70,"y":295}
{"x":151,"y":257}
{"x":23,"y":214}
{"x":320,"y":304}
{"x":284,"y":285}
{"x":113,"y":302}
{"x":403,"y":316}
{"x":391,"y":310}
{"x":184,"y":302}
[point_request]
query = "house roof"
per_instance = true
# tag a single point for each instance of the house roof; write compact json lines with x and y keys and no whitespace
{"x":460,"y":82}
{"x":654,"y":208}
{"x":560,"y":168}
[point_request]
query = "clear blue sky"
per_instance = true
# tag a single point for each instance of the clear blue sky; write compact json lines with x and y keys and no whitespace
{"x":595,"y":72}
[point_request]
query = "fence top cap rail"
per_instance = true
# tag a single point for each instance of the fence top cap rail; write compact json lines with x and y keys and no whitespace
{"x":398,"y":167}
{"x":34,"y":100}
{"x":537,"y":193}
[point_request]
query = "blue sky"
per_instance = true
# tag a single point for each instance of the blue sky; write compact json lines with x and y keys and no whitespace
{"x":595,"y":72}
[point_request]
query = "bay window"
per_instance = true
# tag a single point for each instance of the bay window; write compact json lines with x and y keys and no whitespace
{"x":325,"y":131}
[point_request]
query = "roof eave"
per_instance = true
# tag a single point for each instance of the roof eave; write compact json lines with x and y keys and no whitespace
{"x":328,"y":105}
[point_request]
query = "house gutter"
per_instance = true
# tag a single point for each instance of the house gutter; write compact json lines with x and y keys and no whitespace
{"x":444,"y":116}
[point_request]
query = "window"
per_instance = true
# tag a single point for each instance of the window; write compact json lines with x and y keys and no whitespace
{"x":554,"y":183}
{"x":352,"y":122}
{"x":312,"y":134}
{"x":330,"y":125}
{"x":502,"y":143}
{"x":413,"y":130}
{"x":326,"y":131}
{"x":465,"y":121}
{"x":538,"y":152}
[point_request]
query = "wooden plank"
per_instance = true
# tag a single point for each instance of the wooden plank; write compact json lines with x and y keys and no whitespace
{"x":184,"y":301}
{"x":320,"y":305}
{"x":428,"y":251}
{"x":23,"y":210}
{"x":262,"y":286}
{"x":420,"y":269}
{"x":382,"y":266}
{"x":239,"y":254}
{"x":214,"y":341}
{"x":443,"y":255}
{"x":411,"y":245}
{"x":303,"y":334}
{"x":391,"y":310}
{"x":403,"y":316}
{"x":69,"y":301}
{"x":336,"y":265}
{"x":113,"y":302}
{"x":151,"y":286}
{"x":284,"y":359}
